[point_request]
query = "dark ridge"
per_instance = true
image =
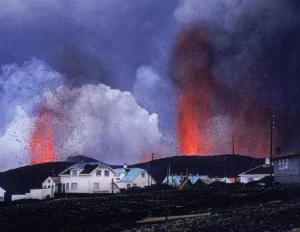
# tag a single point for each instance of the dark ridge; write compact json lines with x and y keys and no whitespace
{"x":80,"y":159}
{"x":21,"y":180}
{"x":213,"y":166}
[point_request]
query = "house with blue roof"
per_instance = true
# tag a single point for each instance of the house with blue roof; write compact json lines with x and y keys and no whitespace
{"x":98,"y":177}
{"x":133,"y":177}
{"x":176,"y":180}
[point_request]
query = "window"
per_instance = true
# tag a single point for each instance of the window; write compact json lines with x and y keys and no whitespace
{"x":1,"y":199}
{"x":48,"y":186}
{"x":106,"y":173}
{"x":67,"y":186}
{"x":134,"y":185}
{"x":143,"y":174}
{"x":74,"y":186}
{"x":250,"y":179}
{"x":128,"y":185}
{"x":74,"y":172}
{"x":98,"y":173}
{"x":96,"y":186}
{"x":49,"y":181}
{"x":117,"y":178}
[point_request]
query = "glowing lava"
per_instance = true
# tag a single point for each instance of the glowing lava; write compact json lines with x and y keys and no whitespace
{"x":193,"y":55}
{"x":41,"y":143}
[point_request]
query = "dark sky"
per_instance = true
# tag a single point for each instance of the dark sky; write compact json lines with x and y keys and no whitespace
{"x":127,"y":45}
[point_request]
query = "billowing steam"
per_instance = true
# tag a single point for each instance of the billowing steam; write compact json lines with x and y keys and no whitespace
{"x":52,"y":123}
{"x":102,"y":123}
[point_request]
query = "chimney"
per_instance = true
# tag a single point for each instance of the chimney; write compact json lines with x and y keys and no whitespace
{"x":125,"y":166}
{"x":278,"y":150}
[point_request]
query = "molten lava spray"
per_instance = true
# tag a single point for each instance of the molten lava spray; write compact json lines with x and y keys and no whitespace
{"x":208,"y":112}
{"x":193,"y":56}
{"x":41,"y":143}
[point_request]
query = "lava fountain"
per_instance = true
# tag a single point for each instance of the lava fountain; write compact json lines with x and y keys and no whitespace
{"x":41,"y":142}
{"x":192,"y":64}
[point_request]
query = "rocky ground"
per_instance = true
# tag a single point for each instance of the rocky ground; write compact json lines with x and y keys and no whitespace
{"x":259,"y":209}
{"x":273,"y":216}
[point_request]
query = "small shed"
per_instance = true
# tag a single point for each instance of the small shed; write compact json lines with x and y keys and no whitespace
{"x":2,"y":193}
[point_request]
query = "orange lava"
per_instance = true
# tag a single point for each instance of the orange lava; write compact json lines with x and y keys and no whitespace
{"x":191,"y":126}
{"x":41,"y":143}
{"x":194,"y":108}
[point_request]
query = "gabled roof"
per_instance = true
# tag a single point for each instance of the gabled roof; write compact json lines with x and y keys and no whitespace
{"x":120,"y":171}
{"x":259,"y":170}
{"x":132,"y":174}
{"x":87,"y":168}
{"x":229,"y":180}
{"x":56,"y":179}
{"x":177,"y":179}
{"x":2,"y":190}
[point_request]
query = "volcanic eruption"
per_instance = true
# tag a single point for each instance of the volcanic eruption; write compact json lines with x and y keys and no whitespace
{"x":41,"y":143}
{"x":203,"y":99}
{"x":193,"y":56}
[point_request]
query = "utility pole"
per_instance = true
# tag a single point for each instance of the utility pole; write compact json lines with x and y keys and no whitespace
{"x":225,"y":168}
{"x":271,"y":143}
{"x":168,"y":170}
{"x":151,"y":166}
{"x":232,"y":144}
{"x":148,"y":168}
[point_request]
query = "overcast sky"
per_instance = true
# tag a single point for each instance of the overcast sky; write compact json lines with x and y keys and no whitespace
{"x":118,"y":53}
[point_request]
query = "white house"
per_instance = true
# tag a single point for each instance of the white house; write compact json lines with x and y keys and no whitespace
{"x":133,"y":177}
{"x":52,"y":183}
{"x":2,"y":193}
{"x":256,"y":173}
{"x":88,"y":178}
{"x":97,"y":177}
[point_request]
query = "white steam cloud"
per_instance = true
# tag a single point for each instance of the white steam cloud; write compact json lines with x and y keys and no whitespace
{"x":102,"y":123}
{"x":93,"y":120}
{"x":14,"y":143}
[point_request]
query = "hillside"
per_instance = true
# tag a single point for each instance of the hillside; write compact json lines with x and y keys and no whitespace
{"x":213,"y":166}
{"x":22,"y":179}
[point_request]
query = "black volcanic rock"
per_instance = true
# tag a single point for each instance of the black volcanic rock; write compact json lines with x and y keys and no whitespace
{"x":80,"y":159}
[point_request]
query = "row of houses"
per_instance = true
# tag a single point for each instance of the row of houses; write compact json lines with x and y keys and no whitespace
{"x":97,"y":177}
{"x":93,"y":177}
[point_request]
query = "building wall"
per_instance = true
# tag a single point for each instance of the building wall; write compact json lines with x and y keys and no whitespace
{"x":2,"y":192}
{"x":39,"y":194}
{"x":18,"y":197}
{"x":287,"y":170}
{"x":86,"y":182}
{"x":139,"y":181}
{"x":247,"y":179}
{"x":143,"y":181}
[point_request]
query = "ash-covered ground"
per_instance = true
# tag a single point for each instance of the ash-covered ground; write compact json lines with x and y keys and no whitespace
{"x":275,"y":208}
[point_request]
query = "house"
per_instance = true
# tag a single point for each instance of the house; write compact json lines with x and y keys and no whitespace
{"x":256,"y":173}
{"x":52,"y":183}
{"x":287,"y":167}
{"x":176,"y":180}
{"x":97,"y":177}
{"x":133,"y":177}
{"x":93,"y":177}
{"x":2,"y":193}
{"x":229,"y":180}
